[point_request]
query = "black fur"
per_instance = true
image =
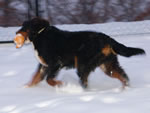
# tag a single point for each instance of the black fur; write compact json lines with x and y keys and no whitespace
{"x":59,"y":49}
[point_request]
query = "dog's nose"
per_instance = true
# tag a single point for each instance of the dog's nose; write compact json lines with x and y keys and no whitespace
{"x":19,"y":40}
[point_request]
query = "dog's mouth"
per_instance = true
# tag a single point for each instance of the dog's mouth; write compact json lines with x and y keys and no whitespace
{"x":20,"y":38}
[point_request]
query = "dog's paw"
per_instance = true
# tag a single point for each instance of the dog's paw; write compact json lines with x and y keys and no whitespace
{"x":59,"y":83}
{"x":28,"y":85}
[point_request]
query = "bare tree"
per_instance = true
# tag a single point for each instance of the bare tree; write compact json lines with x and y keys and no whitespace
{"x":7,"y":12}
{"x":145,"y":14}
{"x":127,"y":10}
{"x":10,"y":15}
{"x":77,"y":11}
{"x":73,"y":11}
{"x":93,"y":11}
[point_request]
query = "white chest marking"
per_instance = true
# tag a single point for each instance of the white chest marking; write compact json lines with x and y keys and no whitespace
{"x":40,"y":59}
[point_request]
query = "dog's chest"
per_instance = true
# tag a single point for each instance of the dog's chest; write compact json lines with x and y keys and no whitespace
{"x":40,"y":58}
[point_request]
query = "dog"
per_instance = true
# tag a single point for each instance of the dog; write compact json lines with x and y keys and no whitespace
{"x":83,"y":50}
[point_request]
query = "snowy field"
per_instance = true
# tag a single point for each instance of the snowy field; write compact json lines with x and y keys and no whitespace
{"x":104,"y":94}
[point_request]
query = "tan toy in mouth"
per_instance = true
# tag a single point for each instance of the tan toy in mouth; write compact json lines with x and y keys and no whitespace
{"x":19,"y":40}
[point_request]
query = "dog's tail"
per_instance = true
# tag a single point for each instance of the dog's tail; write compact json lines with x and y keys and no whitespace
{"x":125,"y":51}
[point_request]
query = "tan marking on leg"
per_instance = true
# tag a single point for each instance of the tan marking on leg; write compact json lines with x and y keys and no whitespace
{"x":35,"y":80}
{"x":118,"y":76}
{"x":53,"y":82}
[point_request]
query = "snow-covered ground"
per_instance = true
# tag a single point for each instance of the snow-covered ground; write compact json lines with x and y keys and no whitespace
{"x":104,"y":94}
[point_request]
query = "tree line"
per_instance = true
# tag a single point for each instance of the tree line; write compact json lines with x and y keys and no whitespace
{"x":14,"y":12}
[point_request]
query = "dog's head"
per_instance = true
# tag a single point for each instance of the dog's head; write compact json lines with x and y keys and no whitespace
{"x":29,"y":30}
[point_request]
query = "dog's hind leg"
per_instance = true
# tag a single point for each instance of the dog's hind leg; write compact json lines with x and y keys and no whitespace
{"x":83,"y":79}
{"x":38,"y":76}
{"x":113,"y":69}
{"x":83,"y":72}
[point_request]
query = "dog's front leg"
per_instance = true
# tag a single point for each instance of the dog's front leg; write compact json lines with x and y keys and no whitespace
{"x":52,"y":73}
{"x":38,"y":76}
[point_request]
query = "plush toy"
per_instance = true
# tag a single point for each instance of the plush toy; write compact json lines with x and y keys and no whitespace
{"x":19,"y":40}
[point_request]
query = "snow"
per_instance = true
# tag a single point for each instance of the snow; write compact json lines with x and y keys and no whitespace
{"x":104,"y":94}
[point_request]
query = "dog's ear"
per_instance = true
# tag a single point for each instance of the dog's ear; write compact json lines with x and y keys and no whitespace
{"x":25,"y":26}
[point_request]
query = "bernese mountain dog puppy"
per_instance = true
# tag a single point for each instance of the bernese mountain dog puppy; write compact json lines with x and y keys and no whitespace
{"x":83,"y":50}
